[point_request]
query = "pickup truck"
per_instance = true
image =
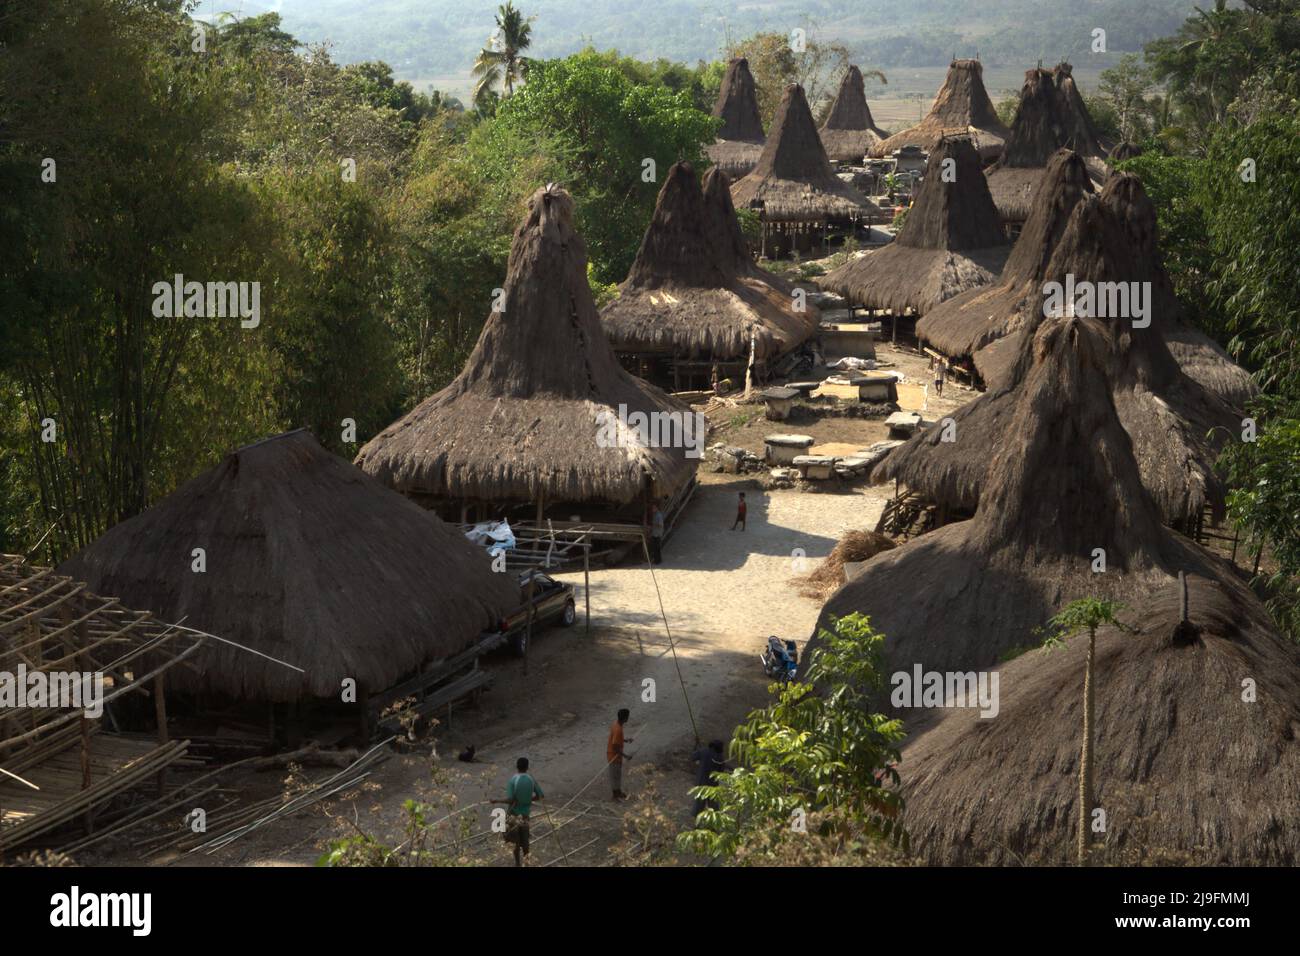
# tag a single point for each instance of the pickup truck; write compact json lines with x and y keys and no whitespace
{"x":552,"y":602}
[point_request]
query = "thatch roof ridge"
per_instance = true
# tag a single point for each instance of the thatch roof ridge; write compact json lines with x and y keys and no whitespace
{"x":694,"y":291}
{"x":737,"y":104}
{"x":793,"y":178}
{"x":962,"y":103}
{"x":308,"y":560}
{"x":1215,"y":786}
{"x":956,"y":212}
{"x":521,"y":419}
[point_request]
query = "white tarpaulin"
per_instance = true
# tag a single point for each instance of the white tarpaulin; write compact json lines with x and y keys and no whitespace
{"x":496,"y":536}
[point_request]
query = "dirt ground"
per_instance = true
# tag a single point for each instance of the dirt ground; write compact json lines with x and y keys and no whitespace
{"x":723,"y":592}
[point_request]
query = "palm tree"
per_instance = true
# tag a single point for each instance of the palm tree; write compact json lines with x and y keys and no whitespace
{"x":1085,"y":614}
{"x":502,"y":60}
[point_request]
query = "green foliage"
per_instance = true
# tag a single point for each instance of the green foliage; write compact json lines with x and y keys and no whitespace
{"x":1086,"y":614}
{"x":818,"y":749}
{"x":1265,"y":503}
{"x":601,"y":127}
{"x":775,"y":65}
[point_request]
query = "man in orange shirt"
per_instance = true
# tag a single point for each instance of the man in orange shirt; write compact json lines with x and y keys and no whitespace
{"x":614,"y":754}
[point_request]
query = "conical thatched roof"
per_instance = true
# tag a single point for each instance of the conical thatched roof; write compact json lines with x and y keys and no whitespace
{"x":950,"y":243}
{"x":740,"y":141}
{"x":793,"y":180}
{"x":690,"y":294}
{"x":1176,"y":425}
{"x":1084,"y":138}
{"x":968,"y":322}
{"x":1187,"y":771}
{"x":308,"y":560}
{"x":523,"y":417}
{"x":1044,"y":123}
{"x":962,"y":105}
{"x":849,"y":130}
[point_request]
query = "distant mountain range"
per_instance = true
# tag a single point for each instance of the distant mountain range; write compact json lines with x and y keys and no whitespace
{"x":437,"y":39}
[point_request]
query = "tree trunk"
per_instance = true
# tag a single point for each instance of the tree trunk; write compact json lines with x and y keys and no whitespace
{"x":1085,"y":759}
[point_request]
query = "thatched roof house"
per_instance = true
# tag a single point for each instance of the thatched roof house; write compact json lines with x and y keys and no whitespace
{"x":950,"y":243}
{"x":1176,"y":425}
{"x":793,"y":181}
{"x":962,"y":104}
{"x":1044,"y":123}
{"x":968,"y":322}
{"x":1187,"y":772}
{"x":523,"y":420}
{"x":307,"y":560}
{"x":694,"y":292}
{"x":740,"y":141}
{"x":849,"y":130}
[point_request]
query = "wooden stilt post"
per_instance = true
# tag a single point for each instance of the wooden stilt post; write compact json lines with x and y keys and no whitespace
{"x":85,"y":768}
{"x":160,"y":715}
{"x":586,"y":583}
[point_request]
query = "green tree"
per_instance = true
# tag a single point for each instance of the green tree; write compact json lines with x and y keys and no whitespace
{"x":502,"y":60}
{"x":1086,"y":614}
{"x":818,"y":750}
{"x":601,"y":129}
{"x":818,"y":68}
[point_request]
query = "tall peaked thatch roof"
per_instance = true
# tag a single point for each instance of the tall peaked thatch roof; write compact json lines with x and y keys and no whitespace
{"x":950,"y":243}
{"x":962,"y":105}
{"x":693,"y":293}
{"x":966,"y":323}
{"x":309,"y":561}
{"x":1176,"y":426}
{"x":740,"y":141}
{"x":1084,"y":137}
{"x":793,"y":180}
{"x":1044,"y":123}
{"x":1186,"y":770}
{"x":523,"y":418}
{"x":850,"y":130}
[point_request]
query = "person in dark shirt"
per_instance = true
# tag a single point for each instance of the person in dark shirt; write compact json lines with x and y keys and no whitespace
{"x":740,"y":513}
{"x":710,"y":762}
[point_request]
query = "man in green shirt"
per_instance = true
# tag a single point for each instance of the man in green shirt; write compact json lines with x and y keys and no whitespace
{"x":521,"y":791}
